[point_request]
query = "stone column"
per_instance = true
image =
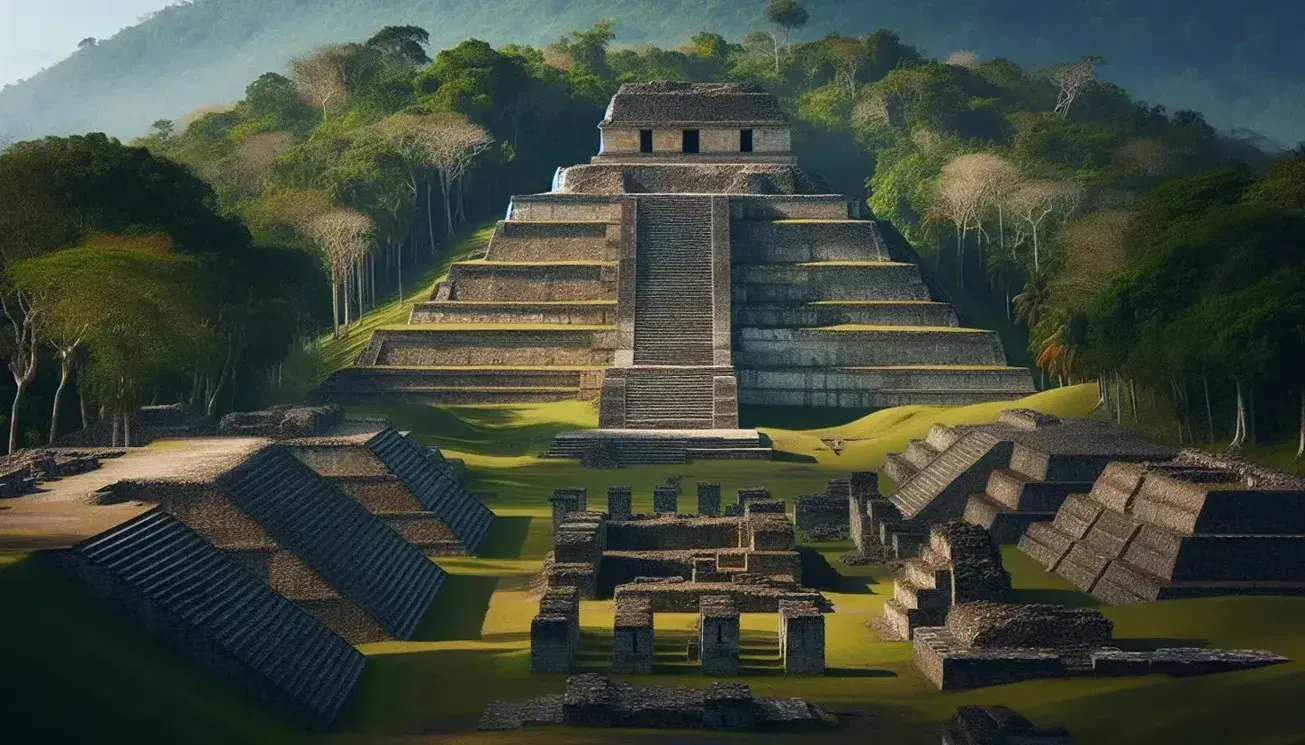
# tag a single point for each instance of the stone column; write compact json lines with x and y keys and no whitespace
{"x":708,"y":499}
{"x":633,"y":637}
{"x":801,"y":638}
{"x":666,"y":500}
{"x":619,"y":500}
{"x":561,"y":504}
{"x":718,"y":633}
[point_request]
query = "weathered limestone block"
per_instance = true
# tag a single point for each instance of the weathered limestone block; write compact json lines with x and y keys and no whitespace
{"x":633,"y":637}
{"x":823,"y":516}
{"x":801,"y":638}
{"x":619,"y":500}
{"x":588,"y":701}
{"x":728,"y":706}
{"x":583,"y":577}
{"x":550,"y":644}
{"x":577,"y":547}
{"x":999,"y":725}
{"x":763,"y":506}
{"x":708,"y":499}
{"x":749,"y":494}
{"x":561,"y":504}
{"x":771,"y":535}
{"x":578,"y":495}
{"x":666,"y":500}
{"x":1003,"y":625}
{"x":718,"y":633}
{"x":865,"y":484}
{"x":949,"y":664}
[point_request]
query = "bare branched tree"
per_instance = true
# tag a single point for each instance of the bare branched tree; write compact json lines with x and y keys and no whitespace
{"x":321,"y":77}
{"x":1073,"y":77}
{"x":344,"y":237}
{"x":967,"y":187}
{"x":458,"y":143}
{"x":962,"y":58}
{"x":252,"y":160}
{"x":1035,"y":202}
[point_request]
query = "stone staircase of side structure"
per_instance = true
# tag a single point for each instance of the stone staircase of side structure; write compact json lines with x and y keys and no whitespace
{"x":673,"y":282}
{"x":171,"y":581}
{"x":435,"y":486}
{"x":363,"y":559}
{"x":1199,"y":525}
{"x":959,"y":564}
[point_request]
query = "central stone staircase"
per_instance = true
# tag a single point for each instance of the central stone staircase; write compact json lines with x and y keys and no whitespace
{"x":673,"y":295}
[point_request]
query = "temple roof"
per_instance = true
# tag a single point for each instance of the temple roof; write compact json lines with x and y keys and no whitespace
{"x":693,"y":103}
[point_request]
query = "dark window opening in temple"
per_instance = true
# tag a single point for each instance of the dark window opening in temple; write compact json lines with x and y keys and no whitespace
{"x":645,"y":141}
{"x":690,"y":141}
{"x":745,"y":141}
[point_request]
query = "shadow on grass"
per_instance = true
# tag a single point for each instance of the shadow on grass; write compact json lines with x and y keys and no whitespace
{"x":783,"y":456}
{"x":1145,"y":644}
{"x":507,"y":537}
{"x":858,"y":672}
{"x":459,"y":610}
{"x":1068,"y":598}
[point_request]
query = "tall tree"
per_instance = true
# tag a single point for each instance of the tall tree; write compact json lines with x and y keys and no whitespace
{"x":788,"y":15}
{"x":1073,"y":78}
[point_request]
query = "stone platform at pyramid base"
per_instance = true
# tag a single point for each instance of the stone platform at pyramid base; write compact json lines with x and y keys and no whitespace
{"x":613,"y":448}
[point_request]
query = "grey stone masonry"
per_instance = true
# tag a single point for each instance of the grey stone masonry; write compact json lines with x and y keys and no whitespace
{"x":708,"y":499}
{"x":756,"y":492}
{"x":555,"y":631}
{"x":561,"y":504}
{"x":718,"y":633}
{"x":999,"y":725}
{"x":801,"y":638}
{"x":1198,"y":525}
{"x":633,"y":637}
{"x":666,"y":500}
{"x":619,"y":500}
{"x":578,"y":495}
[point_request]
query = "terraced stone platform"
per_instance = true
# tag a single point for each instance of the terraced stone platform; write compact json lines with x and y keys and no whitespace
{"x":1004,"y":476}
{"x":175,"y":585}
{"x":268,"y":512}
{"x":1198,"y":525}
{"x":719,"y":255}
{"x":403,"y":482}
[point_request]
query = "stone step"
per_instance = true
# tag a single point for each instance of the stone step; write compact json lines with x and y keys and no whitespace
{"x":476,"y":345}
{"x":172,"y":572}
{"x":832,"y":281}
{"x":557,"y":240}
{"x":499,"y":281}
{"x":833,"y":313}
{"x":799,"y":241}
{"x":361,"y":557}
{"x":867,"y":346}
{"x":592,"y":313}
{"x":673,"y":281}
{"x":919,"y":454}
{"x":970,"y":458}
{"x":1006,"y":526}
{"x":897,"y":468}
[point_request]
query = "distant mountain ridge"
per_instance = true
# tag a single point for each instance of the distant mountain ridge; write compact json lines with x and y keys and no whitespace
{"x":1242,"y":65}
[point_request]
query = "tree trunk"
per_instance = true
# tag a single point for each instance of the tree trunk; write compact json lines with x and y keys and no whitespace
{"x":13,"y":416}
{"x":126,"y":428}
{"x":65,"y":368}
{"x":81,"y":401}
{"x":1132,"y":397}
{"x":1209,"y":410}
{"x":1239,"y":436}
{"x":335,"y":309}
{"x":1300,"y":449}
{"x":400,"y":266}
{"x":359,"y":280}
{"x":430,"y":218}
{"x":113,"y":430}
{"x":446,"y":186}
{"x":1119,"y":397}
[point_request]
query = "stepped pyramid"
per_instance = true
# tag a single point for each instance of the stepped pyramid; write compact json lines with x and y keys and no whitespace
{"x":690,"y":267}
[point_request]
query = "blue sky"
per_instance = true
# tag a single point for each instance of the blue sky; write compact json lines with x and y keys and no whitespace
{"x":37,"y":33}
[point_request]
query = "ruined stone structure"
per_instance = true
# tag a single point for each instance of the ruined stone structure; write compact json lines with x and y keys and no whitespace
{"x":1198,"y":525}
{"x":691,"y":267}
{"x":632,"y":637}
{"x":999,"y":725}
{"x":597,"y":701}
{"x":407,"y":484}
{"x":960,"y":564}
{"x":717,"y":567}
{"x":983,"y":644}
{"x":1003,"y":476}
{"x":555,"y":631}
{"x":263,"y":560}
{"x":801,"y":638}
{"x":718,"y":635}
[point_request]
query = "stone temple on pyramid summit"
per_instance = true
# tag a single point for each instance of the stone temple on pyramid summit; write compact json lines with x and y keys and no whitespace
{"x":692,"y":266}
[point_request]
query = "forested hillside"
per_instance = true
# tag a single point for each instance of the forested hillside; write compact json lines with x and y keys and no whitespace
{"x":1238,"y":62}
{"x":1125,"y":243}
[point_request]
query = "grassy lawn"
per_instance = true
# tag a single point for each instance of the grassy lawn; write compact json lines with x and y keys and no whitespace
{"x":61,"y":647}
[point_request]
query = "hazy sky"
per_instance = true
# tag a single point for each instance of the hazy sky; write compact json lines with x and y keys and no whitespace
{"x":37,"y":33}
